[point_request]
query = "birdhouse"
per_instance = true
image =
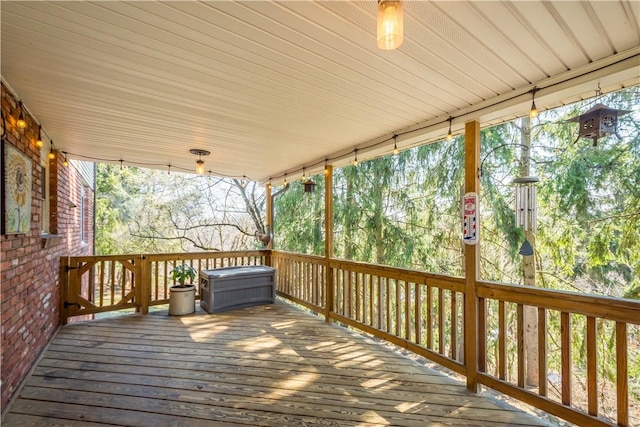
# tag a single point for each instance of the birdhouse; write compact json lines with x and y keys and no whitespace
{"x":598,"y":122}
{"x":309,"y":186}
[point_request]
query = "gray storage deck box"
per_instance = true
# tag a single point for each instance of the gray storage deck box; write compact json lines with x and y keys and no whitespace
{"x":228,"y":288}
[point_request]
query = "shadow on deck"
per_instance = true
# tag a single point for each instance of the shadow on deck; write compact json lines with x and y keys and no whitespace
{"x":263,"y":366}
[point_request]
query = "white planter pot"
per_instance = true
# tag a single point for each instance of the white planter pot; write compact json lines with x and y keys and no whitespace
{"x":182,"y":300}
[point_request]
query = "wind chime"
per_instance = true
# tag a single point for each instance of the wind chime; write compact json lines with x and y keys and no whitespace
{"x":526,"y":208}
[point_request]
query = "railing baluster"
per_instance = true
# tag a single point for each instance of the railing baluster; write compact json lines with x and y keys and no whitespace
{"x":112,"y":271}
{"x":542,"y":351}
{"x":592,"y":373}
{"x":520,"y":341}
{"x":398,"y":306}
{"x":622,"y":374}
{"x":454,"y":326}
{"x":387,"y":308}
{"x":418,"y":314}
{"x":502,"y":341}
{"x":441,"y":320}
{"x":357,"y":296}
{"x":407,"y":310}
{"x":565,"y":340}
{"x":429,"y":317}
{"x":482,"y":334}
{"x":380,"y":307}
{"x":371,"y":299}
{"x":101,"y":270}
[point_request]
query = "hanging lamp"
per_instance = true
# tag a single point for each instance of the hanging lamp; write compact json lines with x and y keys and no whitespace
{"x":199,"y":163}
{"x":39,"y":141}
{"x":21,"y":123}
{"x":533,"y":111}
{"x":390,"y":24}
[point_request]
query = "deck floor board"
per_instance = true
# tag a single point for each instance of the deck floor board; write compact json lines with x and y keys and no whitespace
{"x":271,"y":365}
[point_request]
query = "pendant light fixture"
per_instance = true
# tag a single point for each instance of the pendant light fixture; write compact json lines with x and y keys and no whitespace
{"x":389,"y":24}
{"x":39,"y":141}
{"x":21,"y":123}
{"x":199,"y":163}
{"x":533,"y":112}
{"x":52,"y":153}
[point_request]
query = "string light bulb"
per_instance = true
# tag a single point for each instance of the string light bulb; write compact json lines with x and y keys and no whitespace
{"x":304,"y":176}
{"x":395,"y":147}
{"x":285,"y":179}
{"x":65,"y":161}
{"x":450,"y":134}
{"x":169,"y":169}
{"x":326,"y":167}
{"x":52,"y":153}
{"x":533,"y":112}
{"x":21,"y":123}
{"x":121,"y":164}
{"x":390,"y":24}
{"x":355,"y":158}
{"x":39,"y":141}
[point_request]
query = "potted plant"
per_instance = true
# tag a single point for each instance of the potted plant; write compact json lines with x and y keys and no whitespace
{"x":182,"y":296}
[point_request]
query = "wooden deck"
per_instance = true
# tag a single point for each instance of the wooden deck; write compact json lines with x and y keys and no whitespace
{"x":264,"y":366}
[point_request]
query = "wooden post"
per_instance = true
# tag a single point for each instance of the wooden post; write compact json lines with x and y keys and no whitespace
{"x":328,"y":242}
{"x":269,"y":215}
{"x":143,"y":275}
{"x":64,"y":290}
{"x":471,"y":257}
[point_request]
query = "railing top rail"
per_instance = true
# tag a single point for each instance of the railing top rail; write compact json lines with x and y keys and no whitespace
{"x":170,"y":256}
{"x":200,"y":255}
{"x":611,"y":308}
{"x":90,"y":258}
{"x":395,"y":272}
{"x":297,"y":256}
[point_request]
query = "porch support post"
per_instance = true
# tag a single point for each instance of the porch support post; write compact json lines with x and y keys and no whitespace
{"x":64,"y":290}
{"x":143,"y":273}
{"x":471,"y":257}
{"x":328,"y":242}
{"x":269,"y":215}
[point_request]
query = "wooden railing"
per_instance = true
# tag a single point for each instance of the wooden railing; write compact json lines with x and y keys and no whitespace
{"x":421,"y":312}
{"x":554,"y":316}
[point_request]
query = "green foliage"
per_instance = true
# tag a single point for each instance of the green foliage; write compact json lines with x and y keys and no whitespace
{"x":181,"y":273}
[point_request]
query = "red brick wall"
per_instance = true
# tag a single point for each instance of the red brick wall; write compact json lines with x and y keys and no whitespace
{"x":29,"y":277}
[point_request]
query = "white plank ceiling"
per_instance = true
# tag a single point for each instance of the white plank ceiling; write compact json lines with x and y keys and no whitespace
{"x":270,"y":87}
